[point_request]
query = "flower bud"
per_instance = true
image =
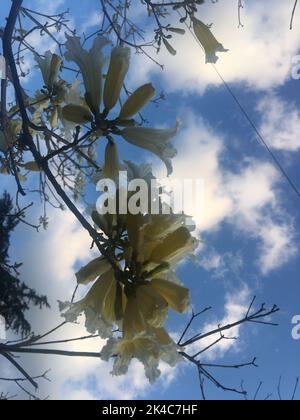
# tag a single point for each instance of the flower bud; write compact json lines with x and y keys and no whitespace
{"x":137,"y":101}
{"x":111,"y":166}
{"x":118,"y":68}
{"x":169,"y":47}
{"x":55,"y":66}
{"x":54,"y":118}
{"x":77,"y":114}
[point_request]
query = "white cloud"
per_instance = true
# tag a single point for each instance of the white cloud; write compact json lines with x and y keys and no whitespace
{"x":278,"y":245}
{"x":220,"y":265}
{"x":248,"y":198}
{"x":258,"y":213}
{"x":92,"y":21}
{"x":280,"y":125}
{"x":200,"y":151}
{"x":260,"y":53}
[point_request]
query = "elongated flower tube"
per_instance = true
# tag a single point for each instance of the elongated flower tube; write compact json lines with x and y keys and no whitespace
{"x":162,"y":225}
{"x":157,"y":141}
{"x":137,"y":101}
{"x":207,"y":40}
{"x":149,"y":349}
{"x":55,"y":67}
{"x":111,"y":165}
{"x":98,"y":306}
{"x":50,"y":66}
{"x":77,"y":114}
{"x":144,"y":308}
{"x":92,"y":270}
{"x":90,"y":64}
{"x":118,"y":68}
{"x":175,"y":246}
{"x":178,"y":297}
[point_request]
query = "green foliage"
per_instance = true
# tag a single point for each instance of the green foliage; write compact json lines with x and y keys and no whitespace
{"x":15,"y":297}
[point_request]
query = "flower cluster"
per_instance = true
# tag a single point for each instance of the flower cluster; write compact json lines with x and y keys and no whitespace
{"x":137,"y":293}
{"x":133,"y":284}
{"x":102,"y":95}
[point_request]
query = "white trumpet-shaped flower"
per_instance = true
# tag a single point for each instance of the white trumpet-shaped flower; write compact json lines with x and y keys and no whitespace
{"x":178,"y":297}
{"x":160,"y":239}
{"x":50,"y":66}
{"x":176,"y":246}
{"x":157,"y":141}
{"x":90,"y":64}
{"x":144,"y":308}
{"x":208,"y":41}
{"x":98,"y":306}
{"x":93,"y":270}
{"x":149,"y":349}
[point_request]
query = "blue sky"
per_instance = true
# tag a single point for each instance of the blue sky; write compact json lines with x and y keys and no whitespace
{"x":251,"y":221}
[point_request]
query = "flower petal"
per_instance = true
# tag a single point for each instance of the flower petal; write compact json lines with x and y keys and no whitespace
{"x":92,"y":270}
{"x":90,"y":64}
{"x":178,"y":297}
{"x":156,"y":141}
{"x":118,"y":68}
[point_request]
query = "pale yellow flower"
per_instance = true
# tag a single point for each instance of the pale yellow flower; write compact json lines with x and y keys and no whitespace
{"x":157,"y":141}
{"x":162,"y":225}
{"x":118,"y":68}
{"x":50,"y":67}
{"x":149,"y":349}
{"x":99,"y":306}
{"x":90,"y":64}
{"x":178,"y":297}
{"x":92,"y":270}
{"x":174,"y":247}
{"x":144,"y":308}
{"x":207,"y":40}
{"x":77,"y":114}
{"x":137,"y":101}
{"x":159,"y":236}
{"x":111,"y":165}
{"x":134,"y":223}
{"x":55,"y":67}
